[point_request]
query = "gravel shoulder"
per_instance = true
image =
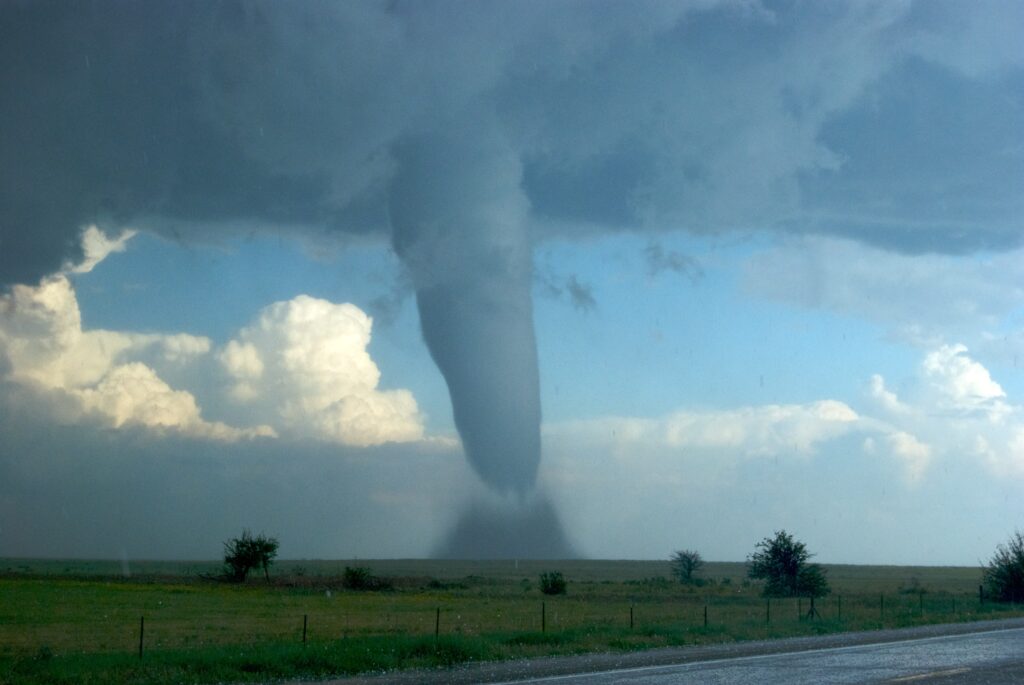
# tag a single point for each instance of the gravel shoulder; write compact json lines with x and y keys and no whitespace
{"x":504,"y":671}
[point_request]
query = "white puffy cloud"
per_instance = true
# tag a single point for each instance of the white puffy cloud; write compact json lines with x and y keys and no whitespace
{"x":303,"y":366}
{"x":133,"y":394}
{"x":885,"y":397}
{"x":97,"y":246}
{"x":763,"y":430}
{"x":759,"y":431}
{"x":952,"y":409}
{"x":912,"y":451}
{"x":962,"y":384}
{"x":97,"y":373}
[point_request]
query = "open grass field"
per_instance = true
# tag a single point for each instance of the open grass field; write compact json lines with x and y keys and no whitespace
{"x":79,"y":621}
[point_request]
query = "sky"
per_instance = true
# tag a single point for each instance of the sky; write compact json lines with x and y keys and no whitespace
{"x":512,"y":279}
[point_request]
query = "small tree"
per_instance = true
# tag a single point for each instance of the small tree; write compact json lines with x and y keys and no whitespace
{"x":552,"y":583}
{"x":246,"y":552}
{"x":685,"y":563}
{"x":782,"y":563}
{"x":1004,"y":576}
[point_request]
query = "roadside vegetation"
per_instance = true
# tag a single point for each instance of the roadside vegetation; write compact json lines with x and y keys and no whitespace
{"x":1004,"y":575}
{"x":78,"y":622}
{"x":783,"y":564}
{"x":247,"y":553}
{"x":686,"y":564}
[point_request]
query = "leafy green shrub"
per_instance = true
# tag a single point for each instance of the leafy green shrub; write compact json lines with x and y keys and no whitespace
{"x":1004,"y":575}
{"x":552,"y":583}
{"x":360,"y":578}
{"x":782,"y":563}
{"x":247,"y":552}
{"x":685,"y":563}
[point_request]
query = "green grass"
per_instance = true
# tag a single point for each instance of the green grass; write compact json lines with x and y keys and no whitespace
{"x":78,"y":621}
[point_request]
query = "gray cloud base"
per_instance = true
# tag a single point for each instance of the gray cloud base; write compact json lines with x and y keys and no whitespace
{"x":195,"y":118}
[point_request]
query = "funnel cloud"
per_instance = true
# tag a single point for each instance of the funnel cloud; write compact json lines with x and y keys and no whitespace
{"x":459,"y":222}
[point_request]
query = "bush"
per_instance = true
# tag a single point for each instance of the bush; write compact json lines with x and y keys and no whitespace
{"x":244,"y":553}
{"x":782,"y":563}
{"x":552,"y":583}
{"x":1004,"y":575}
{"x":360,"y":578}
{"x":685,"y":563}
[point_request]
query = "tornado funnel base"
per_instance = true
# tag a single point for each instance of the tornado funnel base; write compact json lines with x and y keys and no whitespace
{"x":529,"y":530}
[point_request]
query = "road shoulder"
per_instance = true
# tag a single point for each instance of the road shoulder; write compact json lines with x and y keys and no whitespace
{"x":504,"y":671}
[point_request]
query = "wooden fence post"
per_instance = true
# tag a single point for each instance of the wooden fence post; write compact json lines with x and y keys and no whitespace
{"x":543,"y":619}
{"x":437,"y":623}
{"x":705,"y":615}
{"x":631,"y":617}
{"x":142,"y":633}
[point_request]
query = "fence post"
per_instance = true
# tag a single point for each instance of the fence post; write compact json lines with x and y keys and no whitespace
{"x":305,"y":622}
{"x":705,"y":615}
{"x":631,"y":617}
{"x":142,"y":633}
{"x":437,"y":623}
{"x":981,"y":594}
{"x":543,"y":619}
{"x":768,"y":612}
{"x":800,"y":608}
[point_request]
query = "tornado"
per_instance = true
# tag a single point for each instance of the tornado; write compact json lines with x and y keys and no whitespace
{"x":458,"y":219}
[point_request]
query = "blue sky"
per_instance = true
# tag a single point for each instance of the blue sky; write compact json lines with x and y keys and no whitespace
{"x":643,"y":347}
{"x":733,"y":266}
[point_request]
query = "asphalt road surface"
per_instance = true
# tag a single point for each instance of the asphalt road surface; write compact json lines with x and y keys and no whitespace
{"x":990,"y":652}
{"x":992,"y":657}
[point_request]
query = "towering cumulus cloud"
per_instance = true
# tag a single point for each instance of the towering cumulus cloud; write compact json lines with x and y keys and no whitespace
{"x":460,"y":225}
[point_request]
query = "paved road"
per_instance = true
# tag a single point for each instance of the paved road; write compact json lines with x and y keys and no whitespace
{"x":992,"y":657}
{"x":990,"y":651}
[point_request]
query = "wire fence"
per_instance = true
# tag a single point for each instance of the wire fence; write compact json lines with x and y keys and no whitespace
{"x":700,"y":616}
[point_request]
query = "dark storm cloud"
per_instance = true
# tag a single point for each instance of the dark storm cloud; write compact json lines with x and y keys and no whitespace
{"x":581,"y":294}
{"x":659,"y":259}
{"x":708,"y":116}
{"x":464,"y":132}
